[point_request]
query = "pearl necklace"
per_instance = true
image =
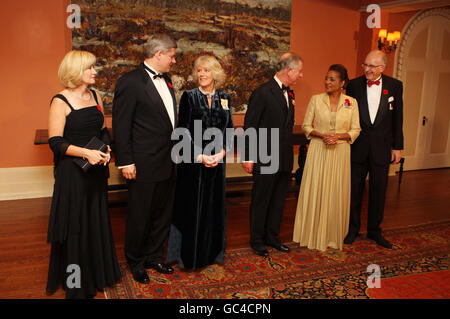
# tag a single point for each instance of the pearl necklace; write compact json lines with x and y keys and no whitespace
{"x":208,"y":94}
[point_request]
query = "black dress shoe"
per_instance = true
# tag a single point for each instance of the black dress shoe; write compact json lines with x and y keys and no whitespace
{"x":380,"y":240}
{"x":280,"y":247}
{"x":350,"y":238}
{"x":261,"y":251}
{"x":141,"y":276}
{"x":161,"y":268}
{"x":49,"y":291}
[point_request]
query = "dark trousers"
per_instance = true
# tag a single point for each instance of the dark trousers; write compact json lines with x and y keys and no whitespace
{"x":267,"y":205}
{"x":378,"y":177}
{"x":150,"y":206}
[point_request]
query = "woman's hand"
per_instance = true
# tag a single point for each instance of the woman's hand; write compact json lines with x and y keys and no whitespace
{"x":330,"y":138}
{"x":108,"y":153}
{"x":219,"y":156}
{"x":95,"y":157}
{"x":208,"y":161}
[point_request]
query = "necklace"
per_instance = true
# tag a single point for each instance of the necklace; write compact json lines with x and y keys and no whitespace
{"x":81,"y":97}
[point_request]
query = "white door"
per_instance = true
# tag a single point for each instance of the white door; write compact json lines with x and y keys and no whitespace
{"x":425,"y":72}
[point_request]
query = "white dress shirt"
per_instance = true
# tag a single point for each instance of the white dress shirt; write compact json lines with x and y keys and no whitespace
{"x":373,"y":99}
{"x":284,"y":92}
{"x":163,"y":90}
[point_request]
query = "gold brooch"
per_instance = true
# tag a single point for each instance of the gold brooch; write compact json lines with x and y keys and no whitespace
{"x":224,"y":103}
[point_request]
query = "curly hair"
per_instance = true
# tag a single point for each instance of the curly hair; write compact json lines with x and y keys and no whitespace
{"x":211,"y":63}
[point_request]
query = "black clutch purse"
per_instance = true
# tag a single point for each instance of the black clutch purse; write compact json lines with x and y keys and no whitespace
{"x":94,"y":144}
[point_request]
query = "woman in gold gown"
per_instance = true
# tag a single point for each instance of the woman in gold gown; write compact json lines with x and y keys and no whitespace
{"x":332,"y":123}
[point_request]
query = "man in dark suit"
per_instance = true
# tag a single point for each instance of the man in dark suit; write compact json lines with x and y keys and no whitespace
{"x":380,"y":102}
{"x":144,"y":116}
{"x":271,"y":107}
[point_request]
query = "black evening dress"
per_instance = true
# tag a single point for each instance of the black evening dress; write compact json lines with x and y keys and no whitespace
{"x":197,"y":234}
{"x":83,"y":257}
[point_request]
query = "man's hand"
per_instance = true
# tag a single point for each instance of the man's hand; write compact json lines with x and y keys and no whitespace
{"x":396,"y":156}
{"x":248,"y":167}
{"x":129,"y":172}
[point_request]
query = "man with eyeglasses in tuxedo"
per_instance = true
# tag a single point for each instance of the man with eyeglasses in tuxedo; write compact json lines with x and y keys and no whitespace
{"x":380,"y":102}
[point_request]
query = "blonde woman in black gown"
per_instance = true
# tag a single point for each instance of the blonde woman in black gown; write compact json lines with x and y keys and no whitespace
{"x":83,"y":258}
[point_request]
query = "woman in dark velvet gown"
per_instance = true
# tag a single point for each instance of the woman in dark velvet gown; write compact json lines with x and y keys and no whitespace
{"x":197,"y":234}
{"x":83,"y":257}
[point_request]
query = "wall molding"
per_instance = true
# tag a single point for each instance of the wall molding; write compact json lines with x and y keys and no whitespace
{"x":26,"y":182}
{"x":400,"y":53}
{"x":36,"y":181}
{"x":408,"y":5}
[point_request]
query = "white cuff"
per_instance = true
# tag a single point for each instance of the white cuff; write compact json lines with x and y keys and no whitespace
{"x":120,"y":167}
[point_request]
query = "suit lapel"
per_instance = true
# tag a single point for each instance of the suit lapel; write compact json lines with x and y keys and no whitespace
{"x":382,"y":108}
{"x":174,"y":100}
{"x":279,"y":96}
{"x":291,"y":111}
{"x":153,"y":94}
{"x":364,"y":107}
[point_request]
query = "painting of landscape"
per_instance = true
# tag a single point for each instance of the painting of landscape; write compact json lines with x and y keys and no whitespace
{"x":247,"y":36}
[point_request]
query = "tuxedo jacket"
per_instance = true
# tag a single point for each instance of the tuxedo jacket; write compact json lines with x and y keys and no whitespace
{"x":268,"y":109}
{"x":386,"y":133}
{"x":142,"y":127}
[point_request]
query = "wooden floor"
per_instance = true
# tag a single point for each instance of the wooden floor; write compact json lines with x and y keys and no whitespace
{"x":423,"y":197}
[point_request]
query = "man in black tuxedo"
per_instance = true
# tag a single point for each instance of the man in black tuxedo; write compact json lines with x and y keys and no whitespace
{"x":380,"y":102}
{"x":271,"y":106}
{"x":144,"y":116}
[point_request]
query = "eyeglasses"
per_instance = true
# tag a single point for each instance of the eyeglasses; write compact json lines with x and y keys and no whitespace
{"x":370,"y":66}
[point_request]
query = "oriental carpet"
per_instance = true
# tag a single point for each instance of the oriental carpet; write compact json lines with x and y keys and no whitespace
{"x":416,"y":267}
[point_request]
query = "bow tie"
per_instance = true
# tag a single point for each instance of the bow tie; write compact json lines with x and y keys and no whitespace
{"x":155,"y":75}
{"x":370,"y":83}
{"x":285,"y":88}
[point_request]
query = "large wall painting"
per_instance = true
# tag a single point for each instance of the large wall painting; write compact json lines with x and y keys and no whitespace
{"x":247,"y":36}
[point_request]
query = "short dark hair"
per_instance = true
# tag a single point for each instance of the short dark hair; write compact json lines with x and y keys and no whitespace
{"x":158,"y":42}
{"x":339,"y":68}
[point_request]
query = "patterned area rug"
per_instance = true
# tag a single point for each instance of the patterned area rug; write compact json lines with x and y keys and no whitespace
{"x":417,"y":267}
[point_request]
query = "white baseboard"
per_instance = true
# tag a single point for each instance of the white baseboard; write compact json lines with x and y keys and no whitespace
{"x":26,"y":182}
{"x":37,"y":181}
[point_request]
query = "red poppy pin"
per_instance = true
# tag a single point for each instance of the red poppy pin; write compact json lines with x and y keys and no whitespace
{"x":292,"y":97}
{"x":385,"y":92}
{"x":170,"y":85}
{"x":99,"y":108}
{"x":347,"y":103}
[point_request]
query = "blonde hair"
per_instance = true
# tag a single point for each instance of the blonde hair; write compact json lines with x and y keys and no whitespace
{"x":72,"y":67}
{"x":211,"y":63}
